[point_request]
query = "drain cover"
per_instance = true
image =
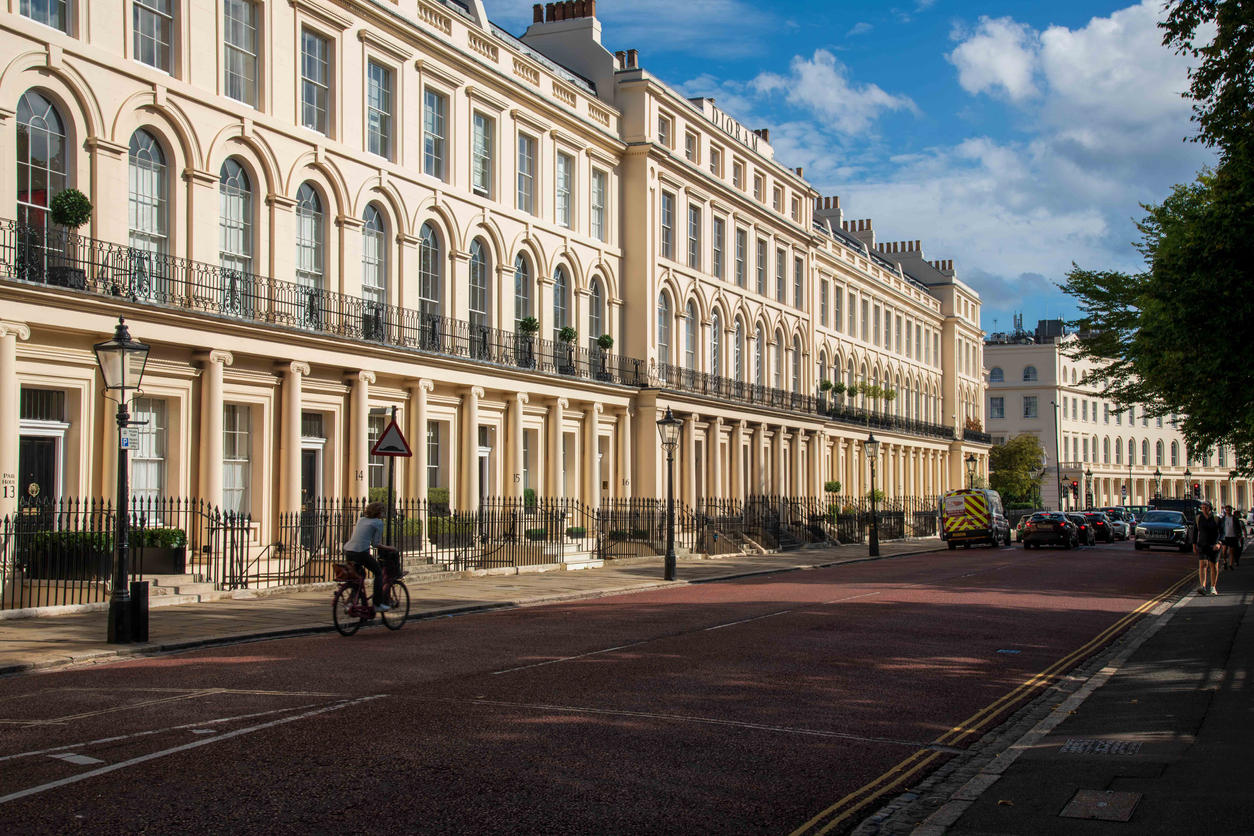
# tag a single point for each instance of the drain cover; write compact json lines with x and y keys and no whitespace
{"x":1082,"y":746}
{"x":1103,"y":805}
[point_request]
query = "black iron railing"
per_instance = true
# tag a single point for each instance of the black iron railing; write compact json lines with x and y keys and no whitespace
{"x":976,"y":436}
{"x":57,"y":258}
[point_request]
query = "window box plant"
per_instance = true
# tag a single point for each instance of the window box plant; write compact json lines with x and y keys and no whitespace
{"x":70,"y":209}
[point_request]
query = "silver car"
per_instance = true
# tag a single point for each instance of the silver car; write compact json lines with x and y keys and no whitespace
{"x":1120,"y":527}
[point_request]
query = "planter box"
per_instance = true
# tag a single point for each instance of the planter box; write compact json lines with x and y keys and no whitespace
{"x":460,"y":540}
{"x":74,"y":565}
{"x":151,"y":560}
{"x":62,"y":276}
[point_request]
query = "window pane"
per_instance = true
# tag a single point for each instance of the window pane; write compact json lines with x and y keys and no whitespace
{"x":314,"y":80}
{"x":565,"y":176}
{"x":434,"y":108}
{"x":481,"y":156}
{"x":240,"y":51}
{"x":598,"y":205}
{"x":152,"y":24}
{"x":379,"y":110}
{"x":526,"y":173}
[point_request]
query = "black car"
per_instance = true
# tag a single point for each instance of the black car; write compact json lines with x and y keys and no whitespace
{"x":1169,"y":529}
{"x":1084,"y":531}
{"x":1101,"y":525}
{"x":1050,"y":528}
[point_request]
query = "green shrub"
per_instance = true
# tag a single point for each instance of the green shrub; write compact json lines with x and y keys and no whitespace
{"x":528,"y":326}
{"x":605,"y":342}
{"x":576,"y":531}
{"x":832,"y":486}
{"x":876,"y":495}
{"x":439,"y":495}
{"x":618,"y":534}
{"x":639,"y":533}
{"x":567,"y":334}
{"x":74,"y":541}
{"x":377,"y":495}
{"x":450,"y":525}
{"x":826,"y":386}
{"x":537,"y":533}
{"x":70,"y":208}
{"x":159,"y":538}
{"x":409,"y":526}
{"x":529,"y":496}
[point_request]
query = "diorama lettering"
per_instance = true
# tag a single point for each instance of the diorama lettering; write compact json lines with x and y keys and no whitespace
{"x":734,"y":129}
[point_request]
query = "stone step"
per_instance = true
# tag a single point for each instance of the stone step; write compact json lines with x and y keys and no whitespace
{"x":168,"y":580}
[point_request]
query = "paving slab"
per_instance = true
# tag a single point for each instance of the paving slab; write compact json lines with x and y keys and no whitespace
{"x":39,"y":643}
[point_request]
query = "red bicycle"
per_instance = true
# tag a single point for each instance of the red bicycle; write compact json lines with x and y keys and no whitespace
{"x":351,"y":607}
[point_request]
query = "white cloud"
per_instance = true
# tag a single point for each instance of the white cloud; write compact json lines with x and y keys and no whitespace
{"x":860,"y":29}
{"x":999,"y":57}
{"x":821,"y":85}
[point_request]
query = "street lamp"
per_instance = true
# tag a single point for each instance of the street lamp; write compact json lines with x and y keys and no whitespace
{"x":668,"y":426}
{"x":971,"y":462}
{"x":1188,"y":484}
{"x":122,"y":362}
{"x":1158,"y":480}
{"x":872,"y":451}
{"x":1088,"y":488}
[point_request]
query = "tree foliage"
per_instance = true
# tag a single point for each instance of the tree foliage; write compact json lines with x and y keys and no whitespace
{"x":1011,"y":465}
{"x":1174,"y":338}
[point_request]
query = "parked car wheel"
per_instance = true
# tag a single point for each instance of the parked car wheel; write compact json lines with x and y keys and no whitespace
{"x":1138,"y":546}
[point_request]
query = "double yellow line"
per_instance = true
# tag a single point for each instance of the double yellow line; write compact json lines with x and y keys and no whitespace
{"x":846,"y":807}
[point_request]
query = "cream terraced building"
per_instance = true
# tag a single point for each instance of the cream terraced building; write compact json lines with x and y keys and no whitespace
{"x":1035,"y":387}
{"x":345,"y":207}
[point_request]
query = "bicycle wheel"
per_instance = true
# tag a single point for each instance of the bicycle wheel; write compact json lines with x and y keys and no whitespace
{"x":346,"y":597}
{"x":398,"y":599}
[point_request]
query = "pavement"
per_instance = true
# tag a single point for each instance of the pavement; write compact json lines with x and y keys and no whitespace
{"x":79,"y":638}
{"x":1163,"y":745}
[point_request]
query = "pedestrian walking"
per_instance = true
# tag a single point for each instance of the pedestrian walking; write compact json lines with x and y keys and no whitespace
{"x":1232,"y":530}
{"x":1205,"y":545}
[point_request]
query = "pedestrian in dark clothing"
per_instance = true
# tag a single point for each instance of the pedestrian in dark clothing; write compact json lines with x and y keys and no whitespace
{"x":1232,"y":535}
{"x":1206,"y":545}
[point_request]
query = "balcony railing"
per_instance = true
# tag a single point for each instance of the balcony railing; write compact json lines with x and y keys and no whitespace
{"x":824,"y":405}
{"x":976,"y":437}
{"x":57,"y":258}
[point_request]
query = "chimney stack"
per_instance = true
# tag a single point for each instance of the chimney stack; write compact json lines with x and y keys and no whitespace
{"x":633,"y":56}
{"x":550,"y":13}
{"x":537,"y":13}
{"x":764,"y":133}
{"x":620,"y":59}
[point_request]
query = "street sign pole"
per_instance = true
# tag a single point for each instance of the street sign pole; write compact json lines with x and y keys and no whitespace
{"x":387,"y":536}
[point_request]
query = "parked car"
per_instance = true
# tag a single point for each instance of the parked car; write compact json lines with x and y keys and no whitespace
{"x":1163,"y":528}
{"x":1021,"y":526}
{"x":973,"y":516}
{"x":1119,"y":528}
{"x":1101,"y":525}
{"x":1084,"y":531}
{"x":1190,"y":508}
{"x":1050,"y":528}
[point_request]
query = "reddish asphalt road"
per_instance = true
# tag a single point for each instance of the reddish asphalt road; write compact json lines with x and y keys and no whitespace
{"x":752,"y":706}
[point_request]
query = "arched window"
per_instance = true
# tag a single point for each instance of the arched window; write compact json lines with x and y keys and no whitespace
{"x":690,"y":337}
{"x":849,"y":384}
{"x":796,"y":364}
{"x":716,"y":344}
{"x":596,"y":305}
{"x":430,"y":273}
{"x":778,"y":372}
{"x":1029,"y":373}
{"x":1073,"y":376}
{"x":1144,"y":451}
{"x":996,"y":375}
{"x":561,"y":303}
{"x":1119,"y":453}
{"x":738,"y":349}
{"x":759,"y":357}
{"x":822,"y":367}
{"x":147,"y":204}
{"x":663,"y":328}
{"x":374,"y":257}
{"x":522,"y":289}
{"x":235,"y":219}
{"x":478,"y":284}
{"x":41,"y":157}
{"x":1158,"y":453}
{"x":309,"y":238}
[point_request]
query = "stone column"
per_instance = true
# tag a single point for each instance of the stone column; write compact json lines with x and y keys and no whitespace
{"x":470,"y":449}
{"x":557,"y":415}
{"x":289,"y":436}
{"x":756,"y":462}
{"x":591,"y":463}
{"x":417,"y":471}
{"x":514,"y":476}
{"x":797,"y":486}
{"x":737,"y":491}
{"x":623,"y":475}
{"x":212,"y":365}
{"x":688,"y":459}
{"x":359,"y":434}
{"x":777,"y":462}
{"x":10,"y":418}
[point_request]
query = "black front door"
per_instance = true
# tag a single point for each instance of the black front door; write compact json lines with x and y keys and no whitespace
{"x":37,"y":468}
{"x":308,"y":476}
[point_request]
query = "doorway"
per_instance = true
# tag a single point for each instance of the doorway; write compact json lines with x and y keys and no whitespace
{"x":37,"y":468}
{"x":310,"y":476}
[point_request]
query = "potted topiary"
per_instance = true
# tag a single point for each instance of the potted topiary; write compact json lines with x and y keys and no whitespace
{"x":160,"y":551}
{"x":529,"y":499}
{"x":604,"y":342}
{"x":567,"y":337}
{"x":528,"y":327}
{"x":70,"y":209}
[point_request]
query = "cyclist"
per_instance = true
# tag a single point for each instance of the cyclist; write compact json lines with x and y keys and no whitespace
{"x":366,"y":533}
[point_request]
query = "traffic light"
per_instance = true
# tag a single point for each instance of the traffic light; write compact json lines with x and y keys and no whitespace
{"x":1197,"y":491}
{"x":1075,"y":489}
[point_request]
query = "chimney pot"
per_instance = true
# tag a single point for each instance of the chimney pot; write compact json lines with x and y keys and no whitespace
{"x":633,"y":56}
{"x":918,"y":245}
{"x":836,"y":201}
{"x":590,"y":7}
{"x":800,"y":172}
{"x":550,"y":12}
{"x":868,"y":223}
{"x":621,"y":58}
{"x":559,"y":10}
{"x":537,"y":13}
{"x":579,"y":9}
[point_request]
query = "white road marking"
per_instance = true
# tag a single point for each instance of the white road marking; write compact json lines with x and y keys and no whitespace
{"x":185,"y":747}
{"x":125,"y":707}
{"x":116,"y":738}
{"x":578,"y":656}
{"x":746,"y":620}
{"x":204,"y":731}
{"x":81,"y":760}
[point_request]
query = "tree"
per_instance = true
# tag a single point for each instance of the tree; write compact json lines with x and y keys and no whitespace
{"x":1171,"y":339}
{"x":1010,"y":467}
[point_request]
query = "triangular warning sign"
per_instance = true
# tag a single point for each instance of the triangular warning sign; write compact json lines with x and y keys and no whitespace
{"x":391,"y":443}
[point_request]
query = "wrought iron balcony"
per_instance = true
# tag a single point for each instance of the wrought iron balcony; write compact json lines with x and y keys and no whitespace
{"x":824,"y":404}
{"x":56,"y":258}
{"x":976,"y":437}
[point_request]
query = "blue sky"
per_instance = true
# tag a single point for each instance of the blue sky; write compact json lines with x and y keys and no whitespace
{"x":1013,"y":138}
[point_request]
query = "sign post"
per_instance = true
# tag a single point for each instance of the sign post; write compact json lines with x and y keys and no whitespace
{"x":392,"y":444}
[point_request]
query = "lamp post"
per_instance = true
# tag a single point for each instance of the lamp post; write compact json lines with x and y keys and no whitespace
{"x":872,"y":451}
{"x":1158,"y":481}
{"x":668,"y":426}
{"x":1232,"y":497}
{"x":1128,"y":504}
{"x":1188,"y":484}
{"x":971,"y":462}
{"x":122,"y":362}
{"x":1088,"y":489}
{"x":1057,"y":453}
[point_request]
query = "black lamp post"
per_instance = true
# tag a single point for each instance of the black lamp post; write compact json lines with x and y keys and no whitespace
{"x":1088,"y":489}
{"x":872,"y":452}
{"x":1128,"y":503}
{"x":668,"y":426}
{"x":1232,"y":497}
{"x":1188,"y":483}
{"x":1158,"y":480}
{"x":122,"y":362}
{"x":971,"y":462}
